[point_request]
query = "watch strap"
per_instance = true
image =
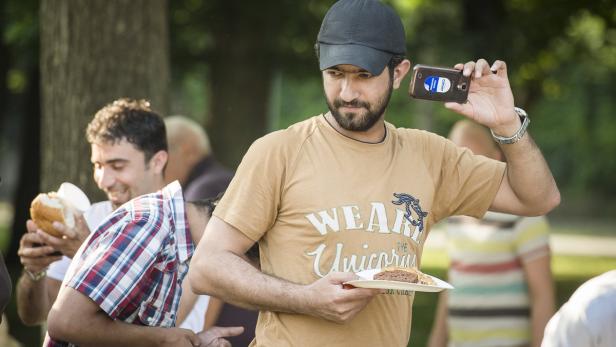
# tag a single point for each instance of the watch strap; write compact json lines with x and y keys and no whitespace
{"x":518,"y":134}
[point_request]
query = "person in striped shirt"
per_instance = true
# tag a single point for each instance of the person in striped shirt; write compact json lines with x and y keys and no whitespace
{"x":123,"y":287}
{"x":500,"y":268}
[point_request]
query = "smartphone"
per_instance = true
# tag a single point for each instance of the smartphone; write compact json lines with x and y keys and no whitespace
{"x":439,"y":84}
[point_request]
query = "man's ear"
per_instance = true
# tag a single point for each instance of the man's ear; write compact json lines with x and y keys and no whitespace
{"x":400,"y":71}
{"x":158,"y":161}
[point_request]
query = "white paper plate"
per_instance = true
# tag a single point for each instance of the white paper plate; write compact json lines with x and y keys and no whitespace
{"x":366,"y":281}
{"x":74,"y":195}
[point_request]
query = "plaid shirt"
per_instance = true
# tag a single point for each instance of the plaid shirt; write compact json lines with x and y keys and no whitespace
{"x":133,"y":265}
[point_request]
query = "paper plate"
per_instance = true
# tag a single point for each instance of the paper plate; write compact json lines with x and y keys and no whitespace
{"x":74,"y":195}
{"x":366,"y":281}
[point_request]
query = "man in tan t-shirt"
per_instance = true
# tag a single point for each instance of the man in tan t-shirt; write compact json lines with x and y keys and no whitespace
{"x":346,"y":191}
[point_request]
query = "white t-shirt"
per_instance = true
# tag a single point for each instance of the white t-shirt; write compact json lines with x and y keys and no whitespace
{"x":588,"y":318}
{"x":94,"y":216}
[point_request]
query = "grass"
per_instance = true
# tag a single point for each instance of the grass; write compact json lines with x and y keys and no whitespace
{"x":569,"y":273}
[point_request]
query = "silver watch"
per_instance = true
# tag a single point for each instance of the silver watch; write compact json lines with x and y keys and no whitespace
{"x":518,"y":134}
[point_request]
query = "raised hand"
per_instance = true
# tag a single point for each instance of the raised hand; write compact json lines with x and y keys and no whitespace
{"x":490,"y":100}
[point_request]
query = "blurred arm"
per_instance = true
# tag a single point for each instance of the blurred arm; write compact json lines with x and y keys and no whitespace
{"x":34,"y":298}
{"x":541,"y":290}
{"x":440,"y":334}
{"x":214,"y":308}
{"x":187,"y":302}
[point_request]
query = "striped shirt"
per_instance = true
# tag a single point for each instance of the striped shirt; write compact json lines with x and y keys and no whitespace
{"x":490,"y":305}
{"x":133,"y":265}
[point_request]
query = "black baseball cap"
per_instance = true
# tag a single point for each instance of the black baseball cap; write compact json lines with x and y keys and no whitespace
{"x":364,"y":33}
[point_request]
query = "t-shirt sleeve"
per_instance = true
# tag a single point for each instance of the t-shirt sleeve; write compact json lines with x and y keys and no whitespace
{"x":251,"y":202}
{"x":467,"y":183}
{"x":532,"y":238}
{"x":112,"y":271}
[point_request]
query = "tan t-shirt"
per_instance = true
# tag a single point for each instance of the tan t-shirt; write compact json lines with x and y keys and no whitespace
{"x":318,"y":201}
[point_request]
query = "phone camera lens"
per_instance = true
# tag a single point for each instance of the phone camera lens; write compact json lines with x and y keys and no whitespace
{"x":419,"y":75}
{"x":462,"y":86}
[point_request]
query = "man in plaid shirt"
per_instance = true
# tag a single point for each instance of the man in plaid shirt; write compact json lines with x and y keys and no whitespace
{"x":124,"y":285}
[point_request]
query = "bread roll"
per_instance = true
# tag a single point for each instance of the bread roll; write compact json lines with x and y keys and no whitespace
{"x":48,"y":208}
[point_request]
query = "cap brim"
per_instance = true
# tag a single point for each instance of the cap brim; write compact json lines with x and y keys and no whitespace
{"x":367,"y":58}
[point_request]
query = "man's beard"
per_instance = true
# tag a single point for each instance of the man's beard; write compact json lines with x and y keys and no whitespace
{"x":353,"y":121}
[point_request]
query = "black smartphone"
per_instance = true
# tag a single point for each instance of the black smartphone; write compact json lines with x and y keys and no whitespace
{"x":439,"y":84}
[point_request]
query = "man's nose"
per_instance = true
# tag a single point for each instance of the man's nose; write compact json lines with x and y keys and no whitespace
{"x":348,"y":90}
{"x":104,"y":178}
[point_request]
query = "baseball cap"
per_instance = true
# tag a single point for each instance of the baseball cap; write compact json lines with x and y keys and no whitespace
{"x":364,"y":33}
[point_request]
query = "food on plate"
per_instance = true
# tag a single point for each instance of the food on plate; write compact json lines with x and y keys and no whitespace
{"x":47,"y":208}
{"x":403,"y":274}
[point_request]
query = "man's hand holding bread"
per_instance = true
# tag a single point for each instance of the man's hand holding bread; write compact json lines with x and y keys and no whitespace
{"x":34,"y":255}
{"x":69,"y":239}
{"x":56,"y":226}
{"x":61,"y":225}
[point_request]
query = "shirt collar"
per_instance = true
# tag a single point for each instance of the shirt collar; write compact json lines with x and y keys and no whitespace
{"x":185,"y":245}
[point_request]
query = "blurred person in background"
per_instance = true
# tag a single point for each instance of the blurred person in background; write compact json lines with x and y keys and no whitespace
{"x":191,"y":160}
{"x":128,"y":153}
{"x":192,"y":163}
{"x":5,"y":286}
{"x":500,"y":268}
{"x":326,"y":197}
{"x":589,"y":317}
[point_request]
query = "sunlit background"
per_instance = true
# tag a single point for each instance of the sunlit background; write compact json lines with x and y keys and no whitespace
{"x":244,"y":68}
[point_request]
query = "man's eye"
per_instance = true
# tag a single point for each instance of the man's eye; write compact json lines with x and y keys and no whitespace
{"x":365,"y":75}
{"x":117,"y":167}
{"x":333,"y":73}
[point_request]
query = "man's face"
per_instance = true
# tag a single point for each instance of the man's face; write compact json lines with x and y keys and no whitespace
{"x":121,"y":172}
{"x":356,"y":98}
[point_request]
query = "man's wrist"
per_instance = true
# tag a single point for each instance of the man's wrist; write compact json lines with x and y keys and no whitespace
{"x":305,"y":301}
{"x":522,"y":120}
{"x":510,"y":128}
{"x":36,"y":275}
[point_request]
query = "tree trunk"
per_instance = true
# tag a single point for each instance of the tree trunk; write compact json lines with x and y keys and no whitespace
{"x":93,"y":52}
{"x":240,"y":75}
{"x":239,"y":112}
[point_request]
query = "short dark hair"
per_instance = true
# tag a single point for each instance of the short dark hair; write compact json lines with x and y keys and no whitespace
{"x":395,"y":60}
{"x":131,"y":120}
{"x":207,"y":205}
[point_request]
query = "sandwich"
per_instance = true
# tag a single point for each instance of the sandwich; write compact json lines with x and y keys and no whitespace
{"x":47,"y":208}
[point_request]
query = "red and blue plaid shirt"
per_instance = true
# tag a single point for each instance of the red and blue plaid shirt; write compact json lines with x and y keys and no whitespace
{"x":133,"y":265}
